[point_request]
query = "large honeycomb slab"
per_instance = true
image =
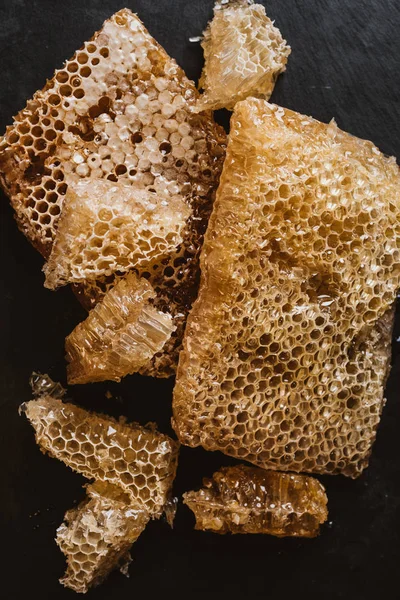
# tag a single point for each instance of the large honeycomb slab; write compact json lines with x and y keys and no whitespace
{"x":244,"y":54}
{"x":244,"y":499}
{"x":139,"y":461}
{"x":121,"y":334}
{"x":97,"y":535}
{"x":287,"y":348}
{"x":120,"y":110}
{"x":108,"y":227}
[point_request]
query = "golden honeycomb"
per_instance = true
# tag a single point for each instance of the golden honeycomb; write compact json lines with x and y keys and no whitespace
{"x":109,"y":227}
{"x":140,"y":461}
{"x":245,"y":499}
{"x":287,"y":348}
{"x":244,"y":54}
{"x":120,"y":110}
{"x":121,"y":333}
{"x":97,"y":535}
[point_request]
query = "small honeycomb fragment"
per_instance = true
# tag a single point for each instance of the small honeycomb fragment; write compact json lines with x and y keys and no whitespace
{"x":244,"y":54}
{"x":140,"y":461}
{"x":97,"y":535}
{"x":109,"y":227}
{"x":43,"y":385}
{"x":287,"y":348}
{"x":120,"y":110}
{"x":245,"y":499}
{"x":120,"y":334}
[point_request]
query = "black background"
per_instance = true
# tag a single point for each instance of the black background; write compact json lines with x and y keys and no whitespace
{"x":344,"y":64}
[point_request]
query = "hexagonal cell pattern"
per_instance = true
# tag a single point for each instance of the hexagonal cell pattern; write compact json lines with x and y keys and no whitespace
{"x":121,"y":110}
{"x":97,"y":535}
{"x":121,"y":334}
{"x":244,"y":54}
{"x":107,"y":227}
{"x":245,"y":499}
{"x":287,"y":348}
{"x":139,"y":461}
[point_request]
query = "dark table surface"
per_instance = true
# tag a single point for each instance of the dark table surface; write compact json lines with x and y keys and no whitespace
{"x":344,"y":64}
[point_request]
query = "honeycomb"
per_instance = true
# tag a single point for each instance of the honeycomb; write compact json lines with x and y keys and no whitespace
{"x":244,"y":54}
{"x":97,"y":535}
{"x":245,"y":499}
{"x":287,"y":348}
{"x":42,"y":385}
{"x":109,"y":227}
{"x":121,"y":333}
{"x":120,"y":110}
{"x":139,"y":461}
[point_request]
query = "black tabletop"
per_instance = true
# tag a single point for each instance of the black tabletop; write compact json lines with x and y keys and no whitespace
{"x":344,"y":64}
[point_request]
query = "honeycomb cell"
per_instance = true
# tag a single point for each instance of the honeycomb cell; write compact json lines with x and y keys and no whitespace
{"x":245,"y":499}
{"x":128,"y":97}
{"x":121,"y":333}
{"x":97,"y":535}
{"x":107,"y":227}
{"x":244,"y":54}
{"x":317,"y":334}
{"x":153,"y":455}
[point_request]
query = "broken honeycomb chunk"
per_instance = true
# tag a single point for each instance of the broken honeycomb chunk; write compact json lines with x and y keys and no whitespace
{"x":287,"y":348}
{"x":97,"y":535}
{"x":244,"y":499}
{"x":120,"y":110}
{"x":42,"y":385}
{"x":120,"y":334}
{"x":244,"y":54}
{"x":140,"y":461}
{"x":107,"y":227}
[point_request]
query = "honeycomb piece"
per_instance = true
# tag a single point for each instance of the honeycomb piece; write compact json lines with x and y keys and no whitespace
{"x":140,"y":461}
{"x":97,"y":535}
{"x":120,"y":109}
{"x":246,"y":499}
{"x":120,"y":334}
{"x":244,"y":54}
{"x":43,"y":385}
{"x":109,"y":227}
{"x":173,"y":300}
{"x":287,"y":348}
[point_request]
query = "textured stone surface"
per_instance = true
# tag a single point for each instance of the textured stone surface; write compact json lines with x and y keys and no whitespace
{"x":244,"y":54}
{"x":287,"y":348}
{"x":245,"y":499}
{"x":120,"y":335}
